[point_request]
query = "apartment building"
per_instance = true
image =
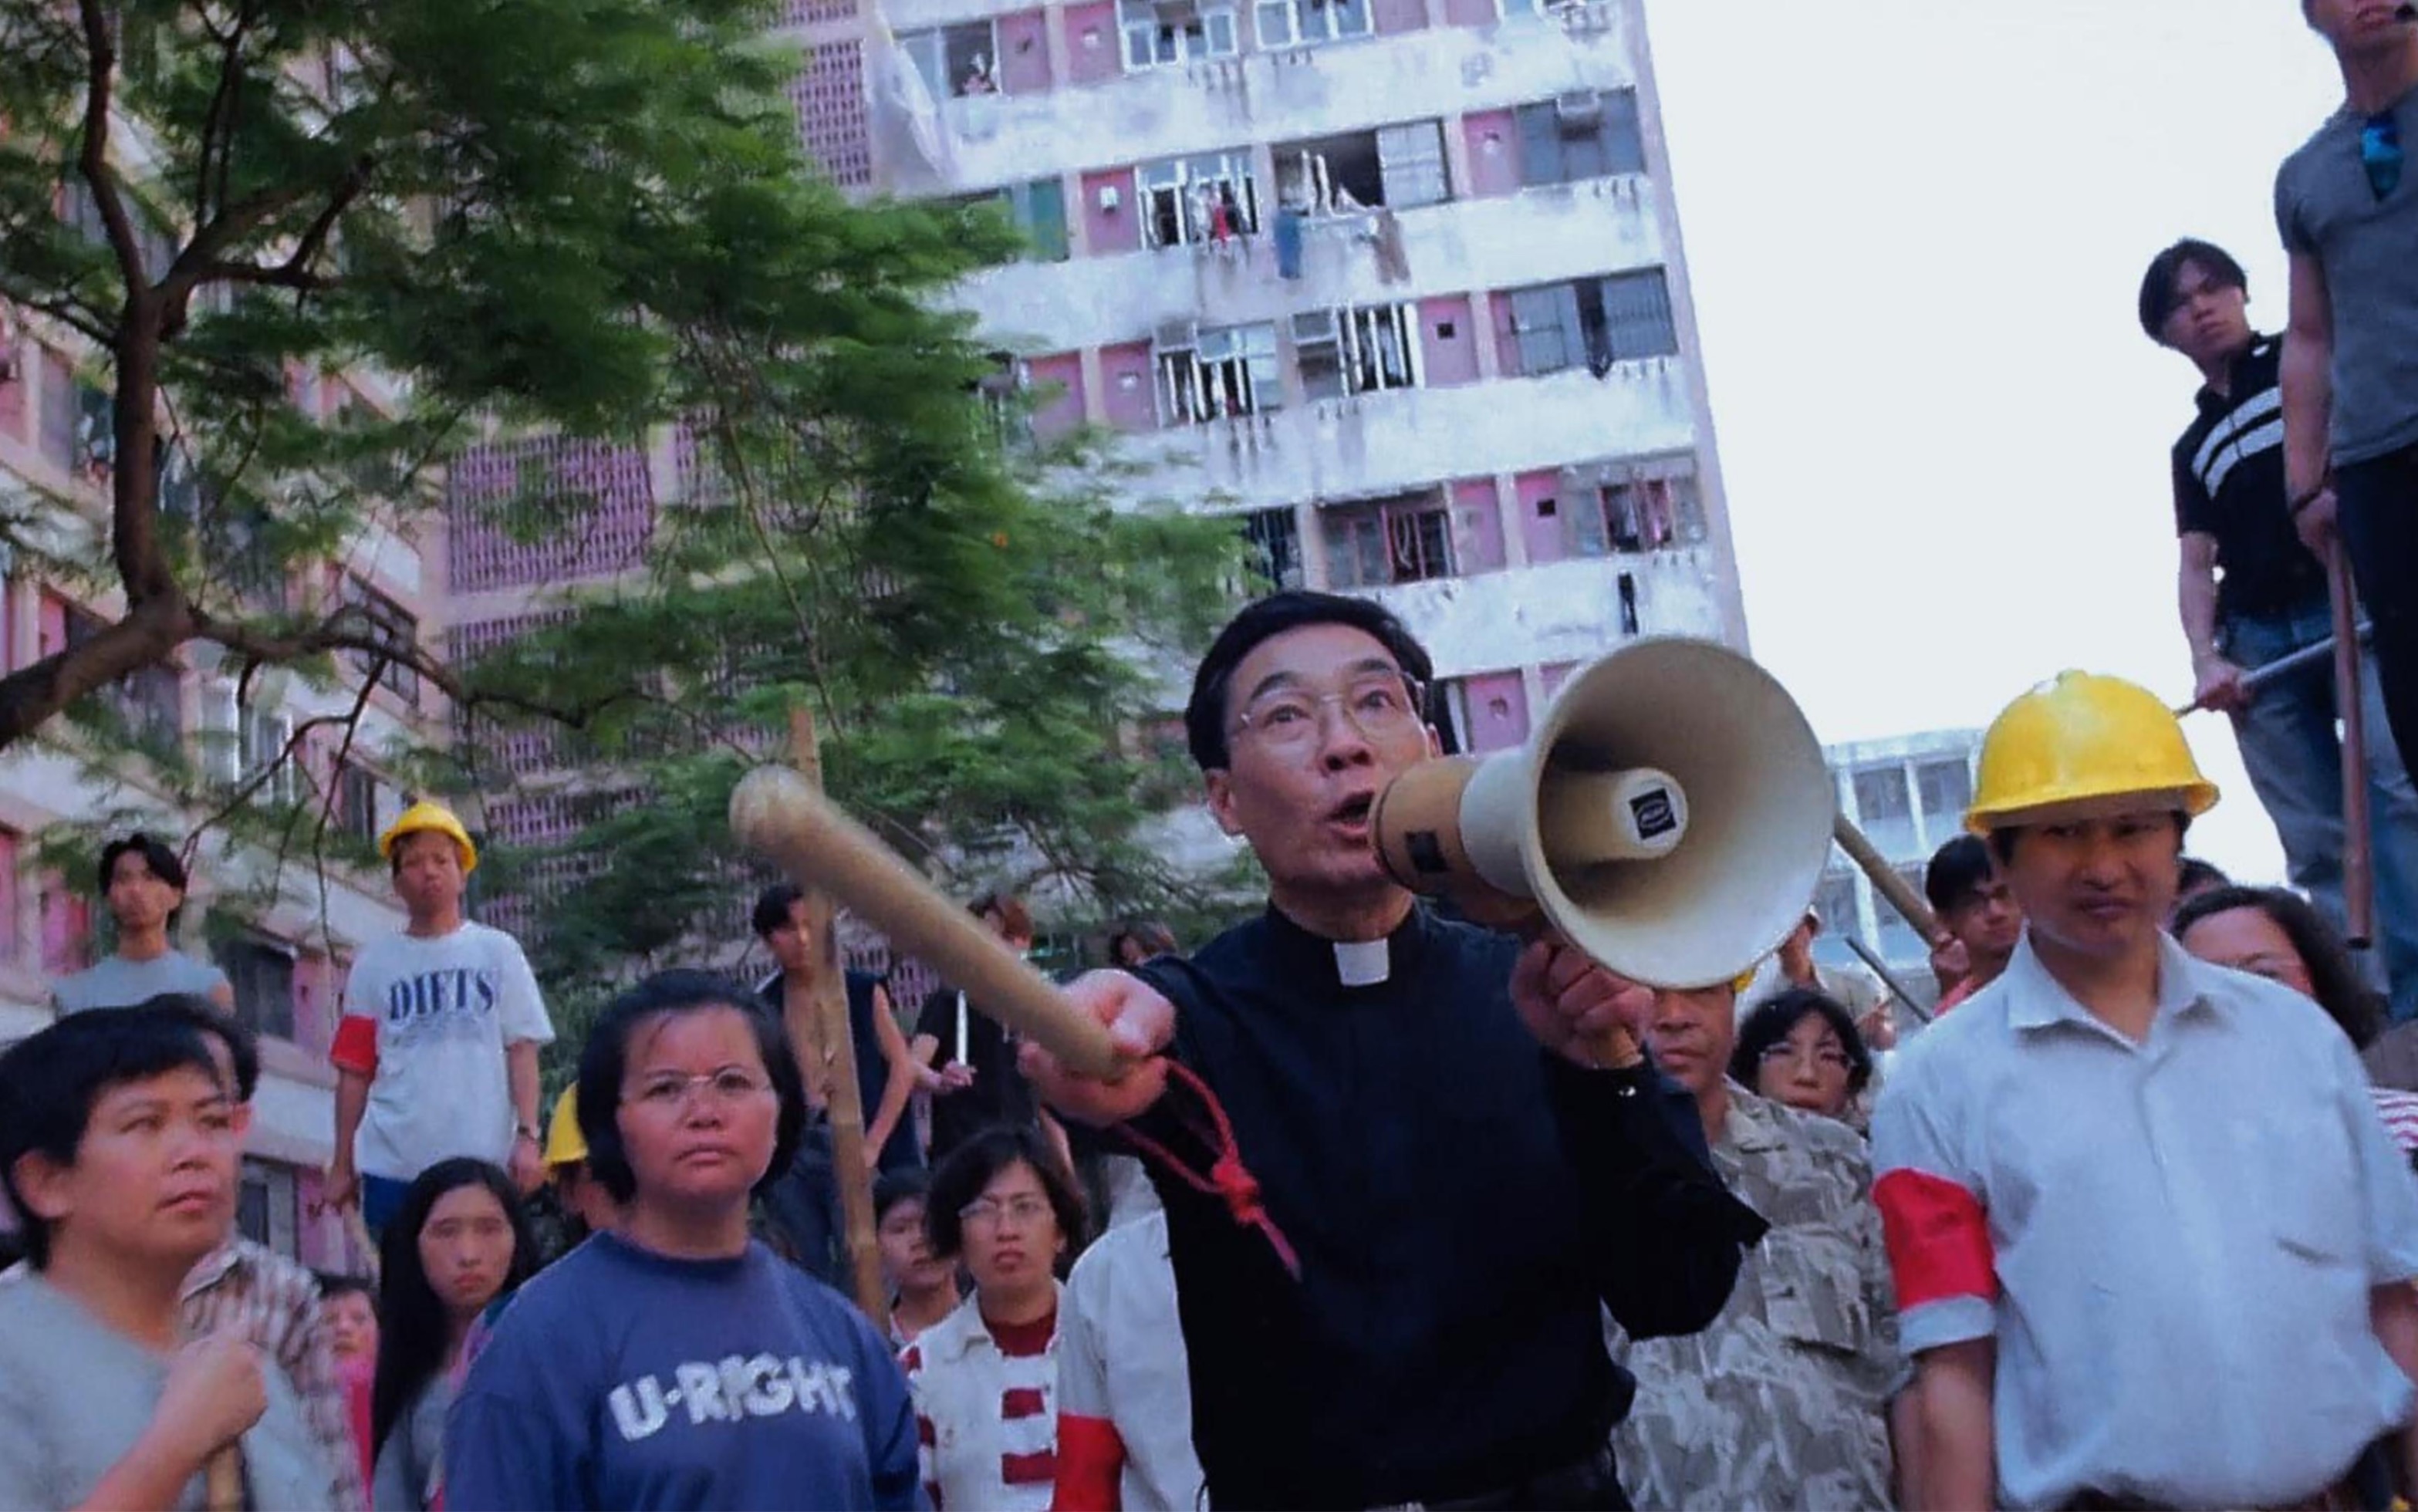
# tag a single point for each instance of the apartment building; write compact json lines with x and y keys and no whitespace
{"x":1908,"y":793}
{"x":286,"y":961}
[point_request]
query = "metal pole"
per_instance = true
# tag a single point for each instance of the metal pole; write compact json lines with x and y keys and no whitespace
{"x":1896,"y":988}
{"x":2285,"y":665}
{"x":2359,"y":867}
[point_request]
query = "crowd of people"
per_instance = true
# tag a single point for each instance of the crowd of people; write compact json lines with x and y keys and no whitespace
{"x":1387,"y":1207}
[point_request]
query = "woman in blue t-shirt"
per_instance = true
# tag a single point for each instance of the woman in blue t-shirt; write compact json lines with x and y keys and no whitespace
{"x":674,"y":1361}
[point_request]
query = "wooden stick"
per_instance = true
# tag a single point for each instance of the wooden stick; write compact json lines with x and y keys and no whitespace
{"x":2359,"y":864}
{"x":776,"y":812}
{"x":222,"y":1479}
{"x":1885,"y":879}
{"x":827,"y":1055}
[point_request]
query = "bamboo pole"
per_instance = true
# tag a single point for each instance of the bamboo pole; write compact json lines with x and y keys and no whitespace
{"x":826,"y":1052}
{"x":2359,"y":857}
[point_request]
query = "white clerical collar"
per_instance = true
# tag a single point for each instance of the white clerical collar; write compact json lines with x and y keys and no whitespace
{"x":1363,"y":963}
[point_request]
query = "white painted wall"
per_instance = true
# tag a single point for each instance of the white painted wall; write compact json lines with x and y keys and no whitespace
{"x":1262,"y":96}
{"x":1536,"y":235}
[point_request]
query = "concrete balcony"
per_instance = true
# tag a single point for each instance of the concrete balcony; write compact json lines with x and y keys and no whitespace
{"x":1381,"y":443}
{"x":1564,"y":611}
{"x":991,"y":140}
{"x":1536,"y":235}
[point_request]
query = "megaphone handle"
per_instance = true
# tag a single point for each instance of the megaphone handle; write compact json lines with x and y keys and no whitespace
{"x":1615,"y":1049}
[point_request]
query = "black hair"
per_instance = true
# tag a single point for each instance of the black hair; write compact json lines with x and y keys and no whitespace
{"x":49,"y":1082}
{"x":893,"y":1187}
{"x":2333,"y":980}
{"x":1956,"y":869}
{"x":2002,"y":840}
{"x":606,"y":1060}
{"x":1155,"y":939}
{"x":772,"y":907}
{"x":2196,"y":874}
{"x":976,"y":1163}
{"x":1204,"y":716}
{"x":1773,"y":1020}
{"x":243,"y":1045}
{"x":334,"y":1284}
{"x":412,"y":1326}
{"x":2166,"y":270}
{"x":163,"y":861}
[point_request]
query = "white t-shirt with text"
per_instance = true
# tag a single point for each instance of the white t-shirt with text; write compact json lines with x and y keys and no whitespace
{"x":444,"y":1009}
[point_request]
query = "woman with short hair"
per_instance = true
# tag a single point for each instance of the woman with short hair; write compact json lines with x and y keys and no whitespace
{"x":674,"y":1361}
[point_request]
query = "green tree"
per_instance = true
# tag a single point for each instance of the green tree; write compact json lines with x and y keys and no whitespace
{"x":588,"y":217}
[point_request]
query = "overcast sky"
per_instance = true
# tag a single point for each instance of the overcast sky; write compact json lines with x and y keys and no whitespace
{"x":1916,"y":230}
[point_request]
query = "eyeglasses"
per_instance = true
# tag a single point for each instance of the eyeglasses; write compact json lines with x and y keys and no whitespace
{"x":726,"y":1088}
{"x":1381,"y":706}
{"x":2379,"y":153}
{"x":1784,"y":1053}
{"x":986,"y":1212}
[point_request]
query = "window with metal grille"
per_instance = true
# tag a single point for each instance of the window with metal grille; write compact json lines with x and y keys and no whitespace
{"x":1038,"y":211}
{"x":1881,"y":793}
{"x":1652,"y":506}
{"x":1378,"y":542}
{"x":262,"y":972}
{"x":1584,"y":135}
{"x":1594,"y":323}
{"x":1219,"y":374}
{"x":834,"y":118}
{"x":393,"y":625}
{"x":1282,"y":23}
{"x":1273,"y":539}
{"x":1190,"y":201}
{"x":57,"y":438}
{"x":1357,"y":351}
{"x":149,"y":702}
{"x":1947,"y":790}
{"x":267,"y":1208}
{"x":355,"y":810}
{"x":1400,"y":167}
{"x":962,"y":59}
{"x":1163,"y":34}
{"x":1637,"y":319}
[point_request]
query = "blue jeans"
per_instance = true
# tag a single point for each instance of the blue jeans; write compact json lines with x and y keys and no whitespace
{"x":2294,"y":756}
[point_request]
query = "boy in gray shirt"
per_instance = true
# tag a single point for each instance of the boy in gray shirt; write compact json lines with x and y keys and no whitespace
{"x":143,"y":883}
{"x":119,"y":1145}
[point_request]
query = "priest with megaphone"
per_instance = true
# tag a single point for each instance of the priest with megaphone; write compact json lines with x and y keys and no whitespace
{"x":1447,"y":1147}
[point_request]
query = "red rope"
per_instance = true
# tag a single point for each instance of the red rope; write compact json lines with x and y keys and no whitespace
{"x":1228,"y":1180}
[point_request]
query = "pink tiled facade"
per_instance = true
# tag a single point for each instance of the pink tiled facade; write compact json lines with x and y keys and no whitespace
{"x":834,"y":125}
{"x":611,"y":535}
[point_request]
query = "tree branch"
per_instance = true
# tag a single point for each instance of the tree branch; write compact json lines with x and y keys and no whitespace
{"x":101,"y":74}
{"x":33,"y":693}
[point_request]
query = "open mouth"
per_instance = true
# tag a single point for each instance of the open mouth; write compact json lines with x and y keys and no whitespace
{"x":1353,"y":810}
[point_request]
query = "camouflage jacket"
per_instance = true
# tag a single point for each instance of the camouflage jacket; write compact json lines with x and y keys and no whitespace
{"x":1783,"y":1402}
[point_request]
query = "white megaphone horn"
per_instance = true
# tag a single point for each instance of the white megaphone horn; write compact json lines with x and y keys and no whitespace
{"x":1671,"y":817}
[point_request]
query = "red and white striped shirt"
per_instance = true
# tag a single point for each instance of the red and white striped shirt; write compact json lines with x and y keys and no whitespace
{"x":986,"y":1411}
{"x":2399,"y":1110}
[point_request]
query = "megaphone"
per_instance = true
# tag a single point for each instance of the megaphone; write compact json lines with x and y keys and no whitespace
{"x":1671,"y":817}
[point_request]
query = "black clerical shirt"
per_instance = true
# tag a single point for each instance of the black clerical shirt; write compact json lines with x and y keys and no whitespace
{"x":1461,"y":1200}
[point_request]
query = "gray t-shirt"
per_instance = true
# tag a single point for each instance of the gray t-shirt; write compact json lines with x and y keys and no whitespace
{"x":118,"y":983}
{"x":75,"y":1394}
{"x":405,"y":1477}
{"x":2368,"y":247}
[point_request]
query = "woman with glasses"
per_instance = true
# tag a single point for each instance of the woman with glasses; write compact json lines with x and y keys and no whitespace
{"x":985,"y":1377}
{"x":674,"y":1361}
{"x":2269,"y":932}
{"x":1801,"y":1049}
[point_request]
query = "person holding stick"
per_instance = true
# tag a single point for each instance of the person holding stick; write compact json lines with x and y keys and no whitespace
{"x":1431,"y":1154}
{"x":2347,"y":208}
{"x":2251,"y":593}
{"x":119,"y":1144}
{"x":968,"y":1058}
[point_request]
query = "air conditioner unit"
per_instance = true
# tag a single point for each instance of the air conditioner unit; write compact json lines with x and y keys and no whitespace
{"x":1176,"y":335}
{"x":1316,"y":325}
{"x":1577,"y":107}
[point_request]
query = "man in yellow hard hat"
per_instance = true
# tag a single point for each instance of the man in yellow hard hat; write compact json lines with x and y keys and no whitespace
{"x":2151,"y":1245}
{"x":435,"y":1055}
{"x":587,"y":1207}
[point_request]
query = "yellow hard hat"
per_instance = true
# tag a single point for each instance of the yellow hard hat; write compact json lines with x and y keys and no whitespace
{"x":2083,"y":742}
{"x":564,"y":1144}
{"x":425,"y":815}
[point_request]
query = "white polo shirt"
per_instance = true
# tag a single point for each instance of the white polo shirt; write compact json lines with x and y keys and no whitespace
{"x":2173,"y":1243}
{"x":1122,"y":1363}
